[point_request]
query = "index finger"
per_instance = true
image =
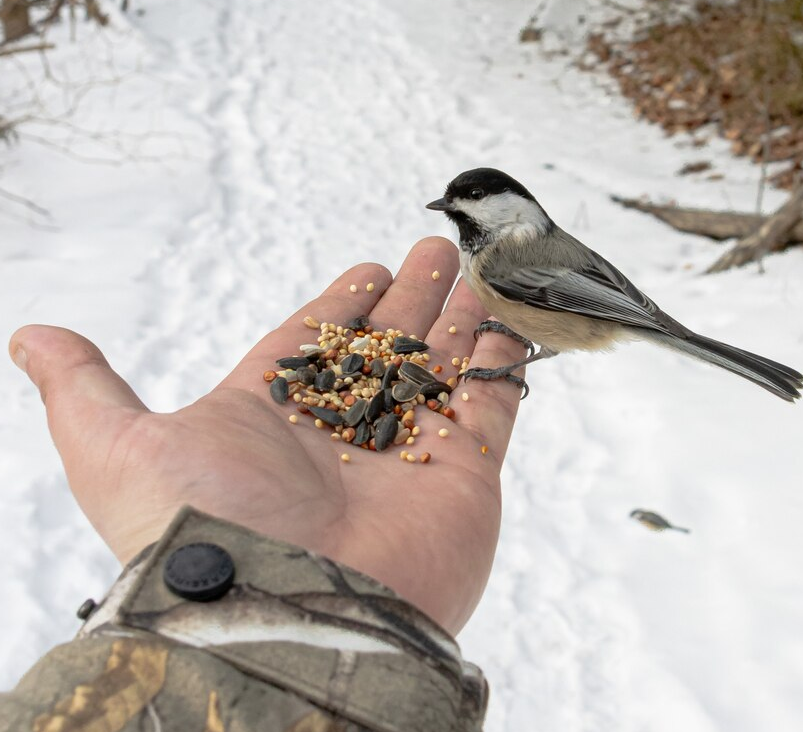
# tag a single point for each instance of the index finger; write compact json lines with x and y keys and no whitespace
{"x":354,"y":293}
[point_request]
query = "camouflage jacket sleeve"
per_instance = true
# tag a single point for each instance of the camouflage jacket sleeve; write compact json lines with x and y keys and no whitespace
{"x":218,"y":628}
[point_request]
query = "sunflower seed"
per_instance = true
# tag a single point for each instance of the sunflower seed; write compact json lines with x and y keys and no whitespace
{"x":431,"y":391}
{"x":279,"y":390}
{"x":325,"y":380}
{"x":375,"y":407}
{"x":355,"y":413}
{"x":415,"y":374}
{"x":306,"y":375}
{"x":386,"y":429}
{"x":357,"y":323}
{"x":293,"y":362}
{"x":402,"y":344}
{"x":391,"y":375}
{"x":404,"y":392}
{"x":352,"y":363}
{"x":363,"y":434}
{"x":329,"y":416}
{"x":377,"y":367}
{"x":311,"y":350}
{"x":389,"y":403}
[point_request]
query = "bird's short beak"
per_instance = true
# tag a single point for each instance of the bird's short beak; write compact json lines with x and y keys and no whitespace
{"x":441,"y":204}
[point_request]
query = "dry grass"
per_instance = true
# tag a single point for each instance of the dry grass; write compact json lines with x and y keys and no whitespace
{"x":738,"y":66}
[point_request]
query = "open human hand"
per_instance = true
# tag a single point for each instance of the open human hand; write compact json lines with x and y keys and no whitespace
{"x":427,"y":531}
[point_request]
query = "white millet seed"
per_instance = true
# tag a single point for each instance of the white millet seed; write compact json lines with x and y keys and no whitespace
{"x":369,"y":287}
{"x":443,"y":432}
{"x":345,"y":457}
{"x":436,"y":275}
{"x":293,"y":418}
{"x":465,"y":396}
{"x":453,"y":330}
{"x":353,"y":288}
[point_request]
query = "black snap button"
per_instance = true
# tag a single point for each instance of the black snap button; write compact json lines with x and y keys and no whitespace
{"x":200,"y":572}
{"x":86,"y":609}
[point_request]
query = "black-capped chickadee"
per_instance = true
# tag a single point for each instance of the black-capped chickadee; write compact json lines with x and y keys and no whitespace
{"x":546,"y":287}
{"x":654,"y":521}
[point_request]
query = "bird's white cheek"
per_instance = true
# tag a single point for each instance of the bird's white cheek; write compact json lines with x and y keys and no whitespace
{"x":465,"y":267}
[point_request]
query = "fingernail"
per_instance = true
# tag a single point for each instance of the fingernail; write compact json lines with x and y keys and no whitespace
{"x":20,"y":357}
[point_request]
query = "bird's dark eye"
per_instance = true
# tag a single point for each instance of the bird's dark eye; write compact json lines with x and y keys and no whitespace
{"x":477,"y":193}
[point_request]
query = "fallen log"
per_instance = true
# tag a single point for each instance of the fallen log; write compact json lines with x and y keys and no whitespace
{"x":771,"y":236}
{"x":717,"y":225}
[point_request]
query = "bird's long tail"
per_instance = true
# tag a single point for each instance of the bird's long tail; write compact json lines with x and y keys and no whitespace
{"x":781,"y":380}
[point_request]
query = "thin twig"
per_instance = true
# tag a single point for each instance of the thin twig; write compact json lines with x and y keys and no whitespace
{"x":26,"y":49}
{"x":27,"y":203}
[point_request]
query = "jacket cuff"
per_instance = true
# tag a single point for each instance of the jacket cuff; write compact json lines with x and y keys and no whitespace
{"x":297,"y":620}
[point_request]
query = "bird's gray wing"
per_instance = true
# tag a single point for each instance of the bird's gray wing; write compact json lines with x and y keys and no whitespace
{"x":598,"y":290}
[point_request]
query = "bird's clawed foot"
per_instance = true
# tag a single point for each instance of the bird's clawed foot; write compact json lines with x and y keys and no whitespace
{"x":506,"y":372}
{"x":501,"y":373}
{"x":494,"y":326}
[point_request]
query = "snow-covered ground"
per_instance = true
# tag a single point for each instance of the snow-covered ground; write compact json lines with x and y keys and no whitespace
{"x":286,"y":141}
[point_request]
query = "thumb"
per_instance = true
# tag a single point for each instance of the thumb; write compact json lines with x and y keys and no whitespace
{"x":81,"y":392}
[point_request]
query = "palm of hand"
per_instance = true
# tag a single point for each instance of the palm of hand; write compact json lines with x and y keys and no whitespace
{"x":427,"y":531}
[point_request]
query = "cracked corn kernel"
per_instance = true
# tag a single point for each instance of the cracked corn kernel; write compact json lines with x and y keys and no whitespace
{"x":310,"y":322}
{"x":465,"y":396}
{"x":484,"y":449}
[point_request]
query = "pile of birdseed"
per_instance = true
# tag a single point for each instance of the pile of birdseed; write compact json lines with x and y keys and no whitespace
{"x":364,"y":385}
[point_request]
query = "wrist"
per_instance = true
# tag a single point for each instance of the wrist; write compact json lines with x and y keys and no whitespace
{"x":284,"y":613}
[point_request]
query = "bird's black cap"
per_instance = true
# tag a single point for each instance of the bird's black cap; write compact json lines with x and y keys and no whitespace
{"x":490,"y":180}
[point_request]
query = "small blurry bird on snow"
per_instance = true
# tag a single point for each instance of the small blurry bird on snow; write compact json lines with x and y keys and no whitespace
{"x":654,"y":521}
{"x":546,"y":287}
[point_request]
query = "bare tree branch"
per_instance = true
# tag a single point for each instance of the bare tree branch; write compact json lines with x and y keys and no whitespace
{"x":26,"y":49}
{"x":30,"y":205}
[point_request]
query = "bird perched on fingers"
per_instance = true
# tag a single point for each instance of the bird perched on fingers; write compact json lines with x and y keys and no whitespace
{"x":547,"y":288}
